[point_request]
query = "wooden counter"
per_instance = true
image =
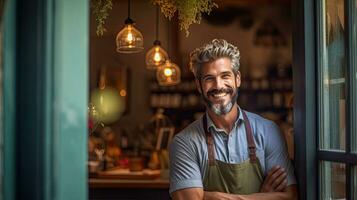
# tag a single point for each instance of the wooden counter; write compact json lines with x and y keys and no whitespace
{"x":122,"y":183}
{"x":112,"y":187}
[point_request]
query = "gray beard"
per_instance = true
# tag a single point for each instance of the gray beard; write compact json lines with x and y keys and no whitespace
{"x":221,"y":109}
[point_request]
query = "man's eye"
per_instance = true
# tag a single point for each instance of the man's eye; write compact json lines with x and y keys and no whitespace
{"x":208,"y":79}
{"x":225,"y":76}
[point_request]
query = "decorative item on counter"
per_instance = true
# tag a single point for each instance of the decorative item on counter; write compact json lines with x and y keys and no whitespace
{"x":124,"y":140}
{"x":93,"y":118}
{"x":112,"y":150}
{"x":107,"y":101}
{"x":162,"y":145}
{"x":96,"y":150}
{"x":154,"y":162}
{"x":158,"y":121}
{"x":129,"y":39}
{"x":160,"y":156}
{"x":161,"y":126}
{"x":123,"y":163}
{"x":136,"y":164}
{"x":164,"y":163}
{"x":156,"y":56}
{"x":164,"y":137}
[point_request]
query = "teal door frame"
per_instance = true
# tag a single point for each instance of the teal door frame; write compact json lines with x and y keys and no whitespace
{"x":9,"y":108}
{"x":305,"y":98}
{"x":45,"y":99}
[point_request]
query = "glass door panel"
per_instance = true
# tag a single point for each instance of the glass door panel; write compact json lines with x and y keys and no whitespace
{"x":354,"y":183}
{"x":332,"y":76}
{"x":353,"y":76}
{"x":333,"y":180}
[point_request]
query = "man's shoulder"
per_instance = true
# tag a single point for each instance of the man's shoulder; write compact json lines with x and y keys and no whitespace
{"x":261,"y":125}
{"x":190,"y":139}
{"x":193,"y":130}
{"x":192,"y":133}
{"x":255,"y":118}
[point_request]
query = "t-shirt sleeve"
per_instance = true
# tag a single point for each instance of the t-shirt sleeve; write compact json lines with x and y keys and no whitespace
{"x":184,"y":167}
{"x":276,"y":152}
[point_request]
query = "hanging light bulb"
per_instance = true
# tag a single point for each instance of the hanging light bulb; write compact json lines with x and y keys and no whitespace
{"x":129,"y":39}
{"x":156,"y":56}
{"x":168,"y":74}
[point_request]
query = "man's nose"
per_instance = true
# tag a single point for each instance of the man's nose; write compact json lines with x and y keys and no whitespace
{"x":219,"y":83}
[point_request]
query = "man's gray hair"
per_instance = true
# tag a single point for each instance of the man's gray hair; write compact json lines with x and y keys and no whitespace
{"x":217,"y":48}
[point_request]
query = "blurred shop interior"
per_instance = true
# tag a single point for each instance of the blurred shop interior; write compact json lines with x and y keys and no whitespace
{"x":134,"y":111}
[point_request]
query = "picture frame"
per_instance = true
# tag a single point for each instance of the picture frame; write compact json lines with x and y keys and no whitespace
{"x":164,"y":137}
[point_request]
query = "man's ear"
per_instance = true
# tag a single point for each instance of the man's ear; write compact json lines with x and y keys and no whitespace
{"x":238,"y":80}
{"x":198,"y":85}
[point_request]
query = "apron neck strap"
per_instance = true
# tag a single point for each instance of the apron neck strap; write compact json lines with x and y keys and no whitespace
{"x":210,"y":142}
{"x":250,"y":139}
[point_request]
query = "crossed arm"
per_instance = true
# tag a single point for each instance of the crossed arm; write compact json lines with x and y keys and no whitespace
{"x":273,"y":188}
{"x":198,"y":193}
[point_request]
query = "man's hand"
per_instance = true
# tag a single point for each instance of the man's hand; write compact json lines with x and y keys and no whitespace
{"x":276,"y":180}
{"x":220,"y":196}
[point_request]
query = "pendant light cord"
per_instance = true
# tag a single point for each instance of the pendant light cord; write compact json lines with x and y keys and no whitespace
{"x":129,"y":20}
{"x":168,"y":39}
{"x":129,"y":9}
{"x":157,"y":22}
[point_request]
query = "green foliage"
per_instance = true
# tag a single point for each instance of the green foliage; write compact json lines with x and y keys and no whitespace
{"x":100,"y":9}
{"x":189,"y":11}
{"x":168,"y":7}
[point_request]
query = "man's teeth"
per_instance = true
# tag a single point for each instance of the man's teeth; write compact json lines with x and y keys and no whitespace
{"x":219,"y":95}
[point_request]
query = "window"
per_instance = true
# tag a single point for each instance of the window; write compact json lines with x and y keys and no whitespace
{"x":1,"y":113}
{"x":336,"y":58}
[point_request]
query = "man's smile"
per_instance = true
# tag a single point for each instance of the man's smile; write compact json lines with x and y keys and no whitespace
{"x":219,"y":94}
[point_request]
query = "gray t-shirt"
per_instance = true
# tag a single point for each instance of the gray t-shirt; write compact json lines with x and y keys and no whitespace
{"x":189,"y":157}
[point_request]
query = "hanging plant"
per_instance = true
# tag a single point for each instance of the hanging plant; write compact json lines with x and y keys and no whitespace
{"x":189,"y":11}
{"x":100,"y":9}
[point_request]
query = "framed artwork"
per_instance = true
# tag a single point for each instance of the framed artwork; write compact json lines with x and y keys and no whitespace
{"x":164,"y":137}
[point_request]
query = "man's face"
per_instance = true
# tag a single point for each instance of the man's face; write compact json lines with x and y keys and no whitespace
{"x":219,"y":86}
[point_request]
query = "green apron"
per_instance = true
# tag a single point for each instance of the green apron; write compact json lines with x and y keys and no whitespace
{"x":242,"y":178}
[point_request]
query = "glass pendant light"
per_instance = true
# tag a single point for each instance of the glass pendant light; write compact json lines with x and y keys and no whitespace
{"x":129,"y":39}
{"x":168,"y":74}
{"x":156,"y":56}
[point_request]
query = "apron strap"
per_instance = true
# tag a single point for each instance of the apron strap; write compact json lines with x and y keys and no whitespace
{"x":249,"y":134}
{"x":251,"y":144}
{"x":209,"y":141}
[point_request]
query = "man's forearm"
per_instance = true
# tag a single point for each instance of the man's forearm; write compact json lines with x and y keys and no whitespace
{"x":289,"y":194}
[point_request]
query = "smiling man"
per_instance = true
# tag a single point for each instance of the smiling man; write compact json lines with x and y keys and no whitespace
{"x":229,"y":153}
